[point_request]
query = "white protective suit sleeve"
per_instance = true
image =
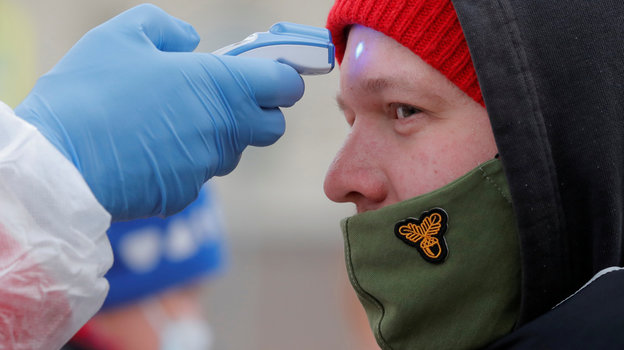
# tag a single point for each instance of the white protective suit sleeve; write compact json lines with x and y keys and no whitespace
{"x":53,"y":245}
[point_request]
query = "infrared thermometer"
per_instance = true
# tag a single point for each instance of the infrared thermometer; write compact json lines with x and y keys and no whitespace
{"x":309,"y":50}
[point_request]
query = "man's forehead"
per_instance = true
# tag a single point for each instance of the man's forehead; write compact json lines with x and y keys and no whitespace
{"x":364,"y":43}
{"x":381,"y":60}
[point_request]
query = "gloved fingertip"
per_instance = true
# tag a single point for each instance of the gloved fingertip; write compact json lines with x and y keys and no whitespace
{"x":293,"y":86}
{"x":228,"y":165}
{"x":166,"y":32}
{"x":193,"y":36}
{"x":298,"y":89}
{"x":139,"y":12}
{"x":280,"y":85}
{"x":270,"y":128}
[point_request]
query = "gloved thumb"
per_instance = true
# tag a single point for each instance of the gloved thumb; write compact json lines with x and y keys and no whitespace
{"x":166,"y":32}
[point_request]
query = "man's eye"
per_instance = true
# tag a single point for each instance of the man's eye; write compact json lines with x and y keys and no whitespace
{"x":405,"y":111}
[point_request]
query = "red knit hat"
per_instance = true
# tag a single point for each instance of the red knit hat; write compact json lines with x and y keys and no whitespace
{"x":429,"y":28}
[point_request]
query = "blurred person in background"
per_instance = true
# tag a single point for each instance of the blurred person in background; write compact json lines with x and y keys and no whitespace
{"x":159,"y":279}
{"x":498,"y":227}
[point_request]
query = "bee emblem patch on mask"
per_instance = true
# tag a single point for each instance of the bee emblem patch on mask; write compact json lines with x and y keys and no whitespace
{"x":426,"y":234}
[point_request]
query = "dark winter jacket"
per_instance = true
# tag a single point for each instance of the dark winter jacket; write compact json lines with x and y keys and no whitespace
{"x":552,"y":76}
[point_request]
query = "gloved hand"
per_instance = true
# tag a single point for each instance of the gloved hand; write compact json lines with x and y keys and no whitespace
{"x":146,"y":121}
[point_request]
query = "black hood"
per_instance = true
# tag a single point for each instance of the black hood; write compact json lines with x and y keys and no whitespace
{"x":552,"y":76}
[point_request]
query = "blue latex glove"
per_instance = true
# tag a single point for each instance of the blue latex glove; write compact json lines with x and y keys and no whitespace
{"x":146,"y":121}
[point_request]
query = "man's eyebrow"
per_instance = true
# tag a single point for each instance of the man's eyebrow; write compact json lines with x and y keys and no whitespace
{"x":375,"y":85}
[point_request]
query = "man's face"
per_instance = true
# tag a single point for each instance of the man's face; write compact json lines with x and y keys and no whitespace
{"x":412,"y":130}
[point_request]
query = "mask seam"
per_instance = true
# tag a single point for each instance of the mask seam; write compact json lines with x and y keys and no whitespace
{"x":497,"y":187}
{"x":487,"y":177}
{"x":363,"y":292}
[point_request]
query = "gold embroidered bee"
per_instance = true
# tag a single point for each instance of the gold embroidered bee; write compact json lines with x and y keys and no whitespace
{"x":426,"y":234}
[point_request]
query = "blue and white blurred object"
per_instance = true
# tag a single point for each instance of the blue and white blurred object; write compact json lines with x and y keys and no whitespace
{"x":155,"y":254}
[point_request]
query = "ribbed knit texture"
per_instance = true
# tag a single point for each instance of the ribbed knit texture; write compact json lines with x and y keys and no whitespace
{"x":429,"y":28}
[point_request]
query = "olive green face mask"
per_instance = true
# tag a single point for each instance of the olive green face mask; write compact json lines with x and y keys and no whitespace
{"x":442,"y":270}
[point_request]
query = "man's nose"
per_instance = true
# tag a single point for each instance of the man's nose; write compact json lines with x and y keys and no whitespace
{"x":356,"y":174}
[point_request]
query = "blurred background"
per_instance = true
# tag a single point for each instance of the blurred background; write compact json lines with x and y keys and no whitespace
{"x":285,"y":284}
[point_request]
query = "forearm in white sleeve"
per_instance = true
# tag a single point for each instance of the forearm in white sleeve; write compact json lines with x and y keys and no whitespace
{"x":53,"y":245}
